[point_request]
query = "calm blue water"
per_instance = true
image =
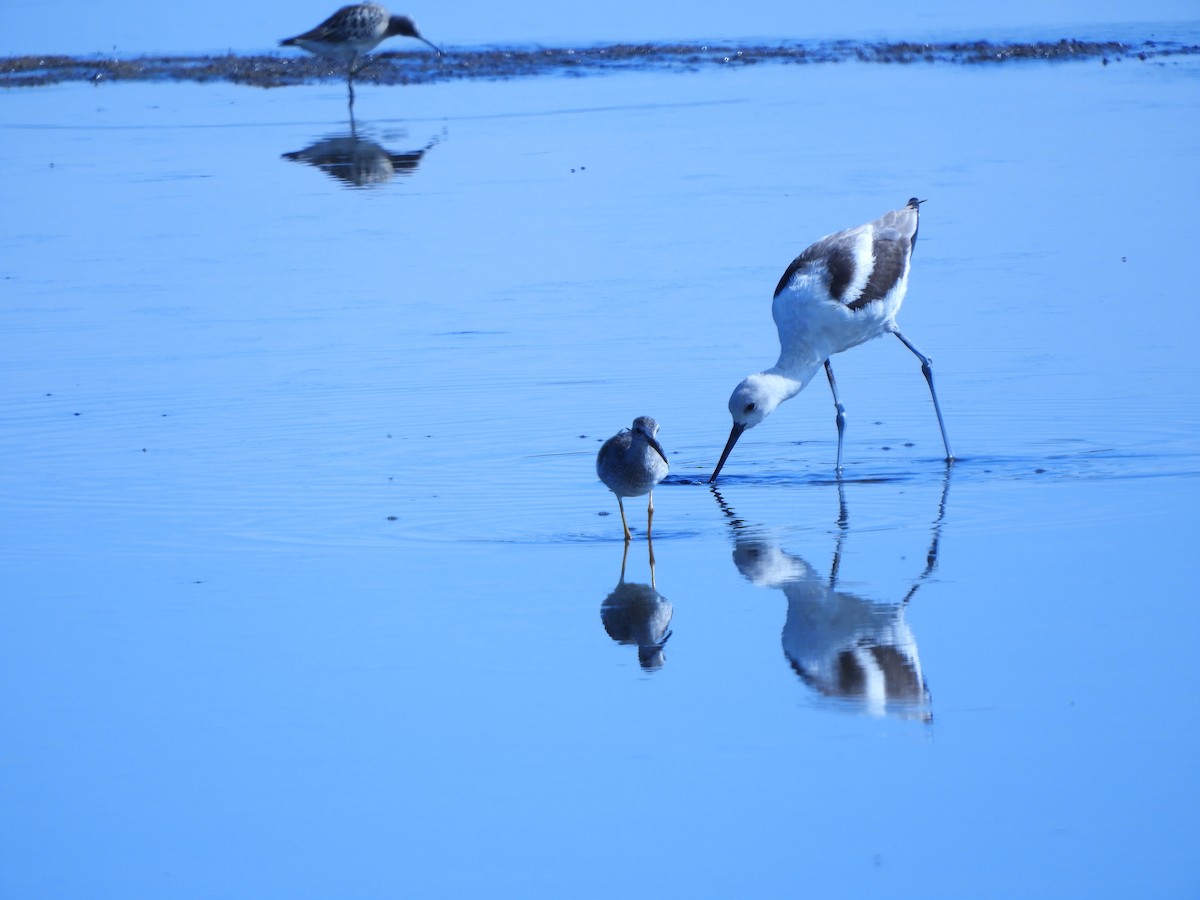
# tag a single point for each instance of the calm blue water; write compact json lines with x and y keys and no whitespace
{"x":129,"y":27}
{"x":304,"y":558}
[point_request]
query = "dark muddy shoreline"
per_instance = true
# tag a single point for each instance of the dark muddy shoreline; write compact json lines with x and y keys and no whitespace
{"x":501,"y":63}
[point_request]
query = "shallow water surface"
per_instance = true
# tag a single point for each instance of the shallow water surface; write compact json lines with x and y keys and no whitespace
{"x":310,"y":588}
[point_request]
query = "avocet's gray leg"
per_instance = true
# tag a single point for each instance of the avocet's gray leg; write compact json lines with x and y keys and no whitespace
{"x":927,"y":371}
{"x":841,"y":413}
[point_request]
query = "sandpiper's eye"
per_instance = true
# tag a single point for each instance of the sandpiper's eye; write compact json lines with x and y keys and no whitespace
{"x":750,"y":407}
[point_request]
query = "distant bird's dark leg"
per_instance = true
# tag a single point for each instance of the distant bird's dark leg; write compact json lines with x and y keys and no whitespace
{"x":351,"y":71}
{"x":841,"y":413}
{"x":927,"y":371}
{"x":363,"y":62}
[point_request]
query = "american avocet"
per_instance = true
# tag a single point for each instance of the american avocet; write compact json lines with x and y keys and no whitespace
{"x":354,"y":31}
{"x":843,"y":290}
{"x":631,"y":463}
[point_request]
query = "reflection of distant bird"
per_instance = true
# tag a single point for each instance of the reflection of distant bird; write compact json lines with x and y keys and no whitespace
{"x":631,"y":463}
{"x":352,"y":32}
{"x":842,"y":645}
{"x":358,"y":162}
{"x":842,"y":291}
{"x":638,"y":614}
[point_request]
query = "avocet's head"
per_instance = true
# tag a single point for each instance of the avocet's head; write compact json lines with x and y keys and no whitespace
{"x":751,"y":402}
{"x":648,"y":429}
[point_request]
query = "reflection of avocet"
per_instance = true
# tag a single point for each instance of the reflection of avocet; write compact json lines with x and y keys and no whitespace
{"x":843,"y":645}
{"x":357,"y":161}
{"x":638,"y":614}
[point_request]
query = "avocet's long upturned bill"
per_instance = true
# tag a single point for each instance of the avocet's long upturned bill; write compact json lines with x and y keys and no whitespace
{"x":842,"y":291}
{"x":631,"y":463}
{"x":352,"y":32}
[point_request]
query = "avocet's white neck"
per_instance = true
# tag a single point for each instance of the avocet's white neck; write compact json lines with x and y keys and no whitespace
{"x":758,"y":395}
{"x":799,"y":368}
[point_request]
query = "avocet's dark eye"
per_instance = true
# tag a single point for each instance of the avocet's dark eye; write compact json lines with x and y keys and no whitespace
{"x":750,"y":407}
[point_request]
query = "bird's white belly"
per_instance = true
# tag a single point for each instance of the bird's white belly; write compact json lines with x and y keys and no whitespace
{"x":342,"y":51}
{"x":817,"y":329}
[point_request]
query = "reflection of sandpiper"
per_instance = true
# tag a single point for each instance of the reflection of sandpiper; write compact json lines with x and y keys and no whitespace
{"x":358,"y":162}
{"x":842,"y":645}
{"x":631,"y":463}
{"x":638,"y":614}
{"x":842,"y":291}
{"x":352,"y":32}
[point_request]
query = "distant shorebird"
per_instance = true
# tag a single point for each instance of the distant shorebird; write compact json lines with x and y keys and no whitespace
{"x":842,"y":291}
{"x":631,"y":463}
{"x":352,"y":32}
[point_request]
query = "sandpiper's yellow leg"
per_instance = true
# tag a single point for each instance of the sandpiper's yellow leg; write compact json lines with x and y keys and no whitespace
{"x":650,"y":516}
{"x":621,"y":506}
{"x":650,"y":544}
